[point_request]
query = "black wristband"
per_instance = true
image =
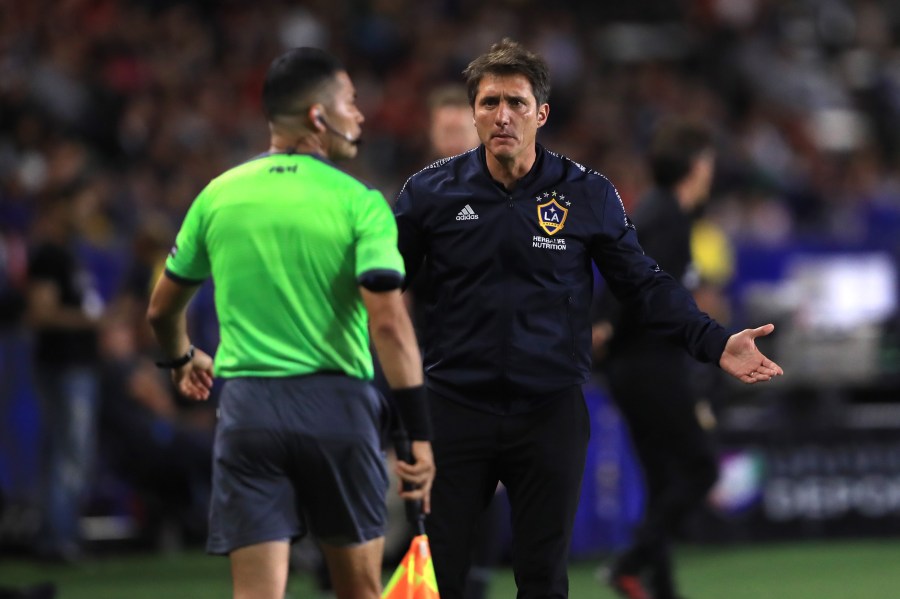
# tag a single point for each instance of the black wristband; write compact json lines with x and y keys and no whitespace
{"x":177,"y":362}
{"x":412,"y":405}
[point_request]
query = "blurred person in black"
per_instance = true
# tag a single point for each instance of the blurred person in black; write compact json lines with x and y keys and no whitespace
{"x":13,"y":267}
{"x":149,"y":244}
{"x":64,"y":309}
{"x":13,"y":278}
{"x":508,"y":233}
{"x":160,"y":446}
{"x":646,"y":373}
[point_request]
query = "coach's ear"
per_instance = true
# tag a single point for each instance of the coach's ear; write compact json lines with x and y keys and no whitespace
{"x":542,"y":114}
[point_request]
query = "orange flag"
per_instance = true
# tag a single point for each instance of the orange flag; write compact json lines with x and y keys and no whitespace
{"x":414,"y":577}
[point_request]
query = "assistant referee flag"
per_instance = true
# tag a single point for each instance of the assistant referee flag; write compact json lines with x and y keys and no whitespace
{"x":414,"y":577}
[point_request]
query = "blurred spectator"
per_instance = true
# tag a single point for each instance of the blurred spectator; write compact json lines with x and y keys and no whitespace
{"x":796,"y":88}
{"x":149,"y":246}
{"x":13,"y":269}
{"x":64,"y":309}
{"x":12,"y":278}
{"x":451,"y":128}
{"x":160,"y":447}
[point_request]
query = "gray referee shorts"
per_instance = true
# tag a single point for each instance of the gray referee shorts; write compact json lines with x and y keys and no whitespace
{"x":298,"y":455}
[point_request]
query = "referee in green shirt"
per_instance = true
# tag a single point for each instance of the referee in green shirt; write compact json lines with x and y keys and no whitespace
{"x":305,"y":263}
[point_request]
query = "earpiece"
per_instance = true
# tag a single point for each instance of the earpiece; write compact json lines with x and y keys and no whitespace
{"x":328,"y":127}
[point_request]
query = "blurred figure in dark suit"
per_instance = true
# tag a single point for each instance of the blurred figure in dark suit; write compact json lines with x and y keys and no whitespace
{"x":646,"y":373}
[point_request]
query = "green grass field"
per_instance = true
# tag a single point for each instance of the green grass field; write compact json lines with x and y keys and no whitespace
{"x":821,"y":570}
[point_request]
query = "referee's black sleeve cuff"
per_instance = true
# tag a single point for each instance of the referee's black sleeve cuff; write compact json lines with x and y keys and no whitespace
{"x":182,"y":280}
{"x":380,"y":279}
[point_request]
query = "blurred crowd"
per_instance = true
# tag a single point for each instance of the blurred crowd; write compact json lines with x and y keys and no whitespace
{"x":126,"y":109}
{"x":150,"y":99}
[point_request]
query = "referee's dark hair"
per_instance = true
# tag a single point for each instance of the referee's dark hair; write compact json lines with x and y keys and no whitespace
{"x":509,"y":58}
{"x":294,"y":78}
{"x":675,"y":146}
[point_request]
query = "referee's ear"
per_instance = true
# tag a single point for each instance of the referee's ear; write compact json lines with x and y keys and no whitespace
{"x":316,"y":116}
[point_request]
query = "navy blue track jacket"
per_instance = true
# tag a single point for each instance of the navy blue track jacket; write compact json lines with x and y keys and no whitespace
{"x":509,"y":278}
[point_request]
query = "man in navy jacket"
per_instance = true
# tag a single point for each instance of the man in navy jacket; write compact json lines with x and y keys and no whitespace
{"x":509,"y":231}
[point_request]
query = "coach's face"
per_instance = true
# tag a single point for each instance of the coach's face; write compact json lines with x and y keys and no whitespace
{"x":507,"y":116}
{"x":345,"y":118}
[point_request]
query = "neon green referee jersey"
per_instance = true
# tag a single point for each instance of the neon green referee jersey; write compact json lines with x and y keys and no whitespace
{"x":285,"y":237}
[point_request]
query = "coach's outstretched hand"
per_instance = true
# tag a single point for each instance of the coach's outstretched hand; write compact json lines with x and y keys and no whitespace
{"x":194,"y":380}
{"x":742,"y":360}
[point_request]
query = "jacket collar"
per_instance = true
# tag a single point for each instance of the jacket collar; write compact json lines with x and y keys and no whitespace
{"x":542,"y":171}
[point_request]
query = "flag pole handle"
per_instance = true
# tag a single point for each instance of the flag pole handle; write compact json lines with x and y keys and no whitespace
{"x":414,"y":513}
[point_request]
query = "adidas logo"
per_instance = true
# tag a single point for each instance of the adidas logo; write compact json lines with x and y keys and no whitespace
{"x":467,"y":214}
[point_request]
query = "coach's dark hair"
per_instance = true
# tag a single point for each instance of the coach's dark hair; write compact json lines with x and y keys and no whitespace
{"x":675,"y":146}
{"x":294,"y":78}
{"x":509,"y":58}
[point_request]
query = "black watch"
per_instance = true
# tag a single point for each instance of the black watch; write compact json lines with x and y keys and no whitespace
{"x":177,"y":362}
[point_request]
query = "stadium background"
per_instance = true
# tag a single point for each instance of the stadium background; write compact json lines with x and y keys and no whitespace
{"x":142,"y":102}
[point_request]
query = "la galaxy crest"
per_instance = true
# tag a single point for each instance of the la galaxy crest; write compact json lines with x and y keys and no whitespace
{"x":552,"y":214}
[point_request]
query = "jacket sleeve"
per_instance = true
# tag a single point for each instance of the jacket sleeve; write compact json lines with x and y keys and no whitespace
{"x":410,"y":239}
{"x":662,"y":304}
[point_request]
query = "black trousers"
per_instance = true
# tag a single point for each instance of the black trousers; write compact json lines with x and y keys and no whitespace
{"x":652,"y":389}
{"x":539,"y":457}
